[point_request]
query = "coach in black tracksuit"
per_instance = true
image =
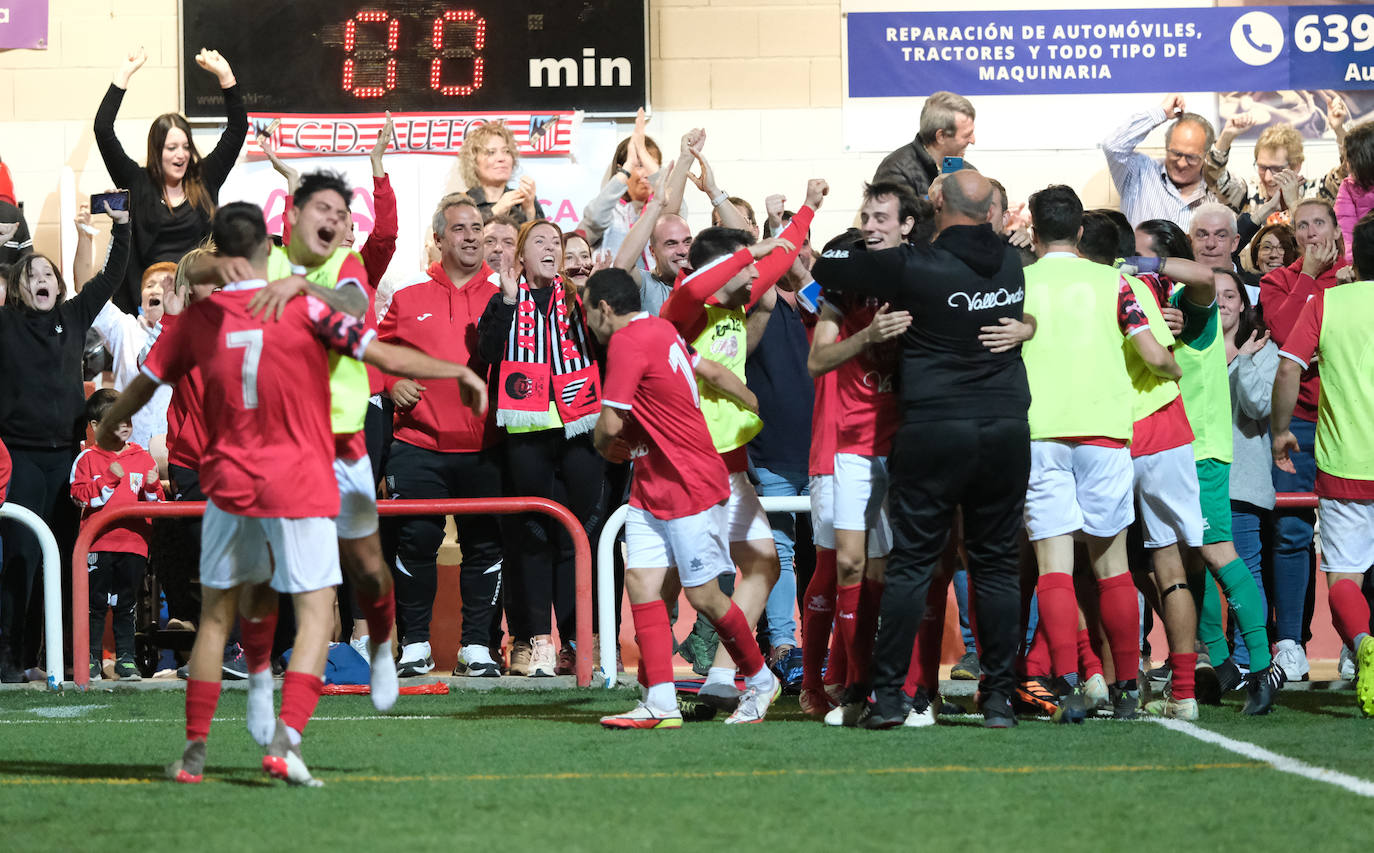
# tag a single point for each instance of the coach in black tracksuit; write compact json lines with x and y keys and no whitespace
{"x":963,"y":438}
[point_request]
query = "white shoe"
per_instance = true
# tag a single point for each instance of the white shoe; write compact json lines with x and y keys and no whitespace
{"x":644,"y":717}
{"x":721,"y":696}
{"x":920,"y":719}
{"x":283,"y":761}
{"x":845,"y":715}
{"x":262,"y":718}
{"x":384,"y":685}
{"x":543,"y":658}
{"x":476,"y":662}
{"x":359,"y":645}
{"x":1292,"y":660}
{"x":755,"y":701}
{"x":415,"y":659}
{"x":1095,"y":693}
{"x":1346,"y":668}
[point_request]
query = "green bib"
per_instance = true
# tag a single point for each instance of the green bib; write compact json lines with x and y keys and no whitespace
{"x":349,"y":389}
{"x":724,"y":342}
{"x":1206,"y":387}
{"x":1078,"y":380}
{"x":1345,"y":412}
{"x":1152,"y":392}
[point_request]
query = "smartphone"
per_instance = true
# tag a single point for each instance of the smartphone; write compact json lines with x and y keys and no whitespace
{"x":951,"y":164}
{"x":118,"y":200}
{"x":810,"y":297}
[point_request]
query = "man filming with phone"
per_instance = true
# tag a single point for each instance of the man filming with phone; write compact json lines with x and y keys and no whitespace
{"x":946,"y":131}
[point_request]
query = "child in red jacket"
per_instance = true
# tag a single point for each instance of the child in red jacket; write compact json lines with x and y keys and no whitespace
{"x":119,"y":556}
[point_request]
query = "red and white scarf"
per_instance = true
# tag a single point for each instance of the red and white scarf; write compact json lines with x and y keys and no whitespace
{"x":547,"y":358}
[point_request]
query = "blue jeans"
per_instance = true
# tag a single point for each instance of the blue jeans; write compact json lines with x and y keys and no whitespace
{"x":1246,"y":522}
{"x":782,"y":601}
{"x":1293,"y":557}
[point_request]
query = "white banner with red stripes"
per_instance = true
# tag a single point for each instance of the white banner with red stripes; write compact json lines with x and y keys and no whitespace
{"x":314,"y":135}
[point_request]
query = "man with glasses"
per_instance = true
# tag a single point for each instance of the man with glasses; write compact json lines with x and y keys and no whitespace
{"x":1151,"y":189}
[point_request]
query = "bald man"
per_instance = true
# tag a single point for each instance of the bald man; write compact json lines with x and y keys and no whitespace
{"x":669,"y":241}
{"x":963,"y":436}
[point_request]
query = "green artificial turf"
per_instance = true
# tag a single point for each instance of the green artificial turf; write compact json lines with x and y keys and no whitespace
{"x":520,"y":771}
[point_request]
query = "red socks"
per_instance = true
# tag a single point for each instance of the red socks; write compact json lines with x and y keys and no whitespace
{"x":846,"y":621}
{"x":1184,"y":667}
{"x":1349,"y":610}
{"x":738,"y":639}
{"x":1089,"y":664}
{"x":924,"y":669}
{"x":655,"y":639}
{"x":817,"y":616}
{"x":256,"y":640}
{"x":201,"y":699}
{"x":300,"y":692}
{"x":865,"y":630}
{"x":380,"y":615}
{"x":1059,"y":620}
{"x":1121,"y":623}
{"x":1037,"y":661}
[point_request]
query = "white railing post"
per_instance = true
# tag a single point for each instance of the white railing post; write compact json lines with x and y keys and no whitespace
{"x":605,"y":574}
{"x":52,"y":588}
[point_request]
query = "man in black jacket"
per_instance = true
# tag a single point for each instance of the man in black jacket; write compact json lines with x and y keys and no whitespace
{"x":946,"y":131}
{"x":963,"y":439}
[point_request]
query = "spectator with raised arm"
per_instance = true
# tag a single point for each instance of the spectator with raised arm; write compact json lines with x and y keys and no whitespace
{"x":42,"y":415}
{"x":666,"y":234}
{"x":487,"y":163}
{"x":946,"y":131}
{"x":172,"y":196}
{"x":632,"y":178}
{"x":1152,"y":189}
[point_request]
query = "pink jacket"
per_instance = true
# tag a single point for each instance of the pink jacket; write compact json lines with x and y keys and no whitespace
{"x":1352,"y":203}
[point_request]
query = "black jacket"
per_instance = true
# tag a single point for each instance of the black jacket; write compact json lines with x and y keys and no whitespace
{"x":967,"y":278}
{"x":42,"y":399}
{"x":911,"y":165}
{"x":146,"y":208}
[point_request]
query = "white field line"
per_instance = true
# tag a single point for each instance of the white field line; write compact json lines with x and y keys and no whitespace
{"x":1353,"y":784}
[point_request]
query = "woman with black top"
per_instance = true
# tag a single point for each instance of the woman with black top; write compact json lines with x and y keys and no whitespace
{"x":42,"y":422}
{"x":173,"y":197}
{"x":546,"y":391}
{"x":488,"y":162}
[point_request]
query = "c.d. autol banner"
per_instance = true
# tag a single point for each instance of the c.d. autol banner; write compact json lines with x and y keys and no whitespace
{"x":1063,"y":52}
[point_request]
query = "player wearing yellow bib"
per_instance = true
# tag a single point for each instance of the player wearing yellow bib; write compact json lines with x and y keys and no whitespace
{"x":1335,"y":325}
{"x":1080,"y":425}
{"x":709,"y":307}
{"x":315,"y":260}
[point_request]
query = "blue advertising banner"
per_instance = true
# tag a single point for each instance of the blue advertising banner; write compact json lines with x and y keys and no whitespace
{"x":1074,"y":52}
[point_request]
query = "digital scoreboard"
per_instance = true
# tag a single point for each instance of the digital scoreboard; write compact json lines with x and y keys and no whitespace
{"x":327,"y":56}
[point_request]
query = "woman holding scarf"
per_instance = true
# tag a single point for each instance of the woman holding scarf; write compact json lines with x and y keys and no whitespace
{"x":547,"y":388}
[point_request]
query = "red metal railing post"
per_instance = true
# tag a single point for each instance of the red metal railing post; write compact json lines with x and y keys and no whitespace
{"x":467,"y":506}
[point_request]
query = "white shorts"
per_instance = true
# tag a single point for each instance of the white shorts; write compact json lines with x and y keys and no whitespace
{"x":694,"y":544}
{"x":861,"y":497}
{"x":357,"y":517}
{"x":1078,"y":487}
{"x":1347,"y":535}
{"x":1167,"y":492}
{"x":745,"y":519}
{"x":295,"y":554}
{"x":822,"y":493}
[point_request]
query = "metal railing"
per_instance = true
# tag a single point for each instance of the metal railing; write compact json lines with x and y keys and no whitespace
{"x":52,"y":587}
{"x":451,"y":506}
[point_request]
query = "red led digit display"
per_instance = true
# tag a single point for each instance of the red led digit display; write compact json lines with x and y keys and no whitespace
{"x":393,"y":38}
{"x":468,"y":22}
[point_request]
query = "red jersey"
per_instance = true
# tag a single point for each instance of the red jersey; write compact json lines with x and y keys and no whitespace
{"x":822,"y":460}
{"x":1283,"y":294}
{"x":5,"y":467}
{"x":1300,"y":347}
{"x":94,"y":487}
{"x":185,"y":425}
{"x":439,"y":319}
{"x":650,"y":378}
{"x":269,"y":451}
{"x":866,"y":407}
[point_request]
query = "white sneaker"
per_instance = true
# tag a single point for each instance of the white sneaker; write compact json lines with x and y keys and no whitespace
{"x":845,"y":715}
{"x":1095,"y":693}
{"x":644,"y":717}
{"x":543,"y":658}
{"x":283,"y":761}
{"x":384,"y":685}
{"x":755,"y":701}
{"x":415,"y":660}
{"x":476,"y":662}
{"x":1292,"y":660}
{"x":721,"y":696}
{"x":1346,"y":668}
{"x":359,"y":645}
{"x":920,"y":719}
